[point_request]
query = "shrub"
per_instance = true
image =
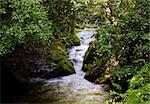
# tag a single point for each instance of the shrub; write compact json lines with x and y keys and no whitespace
{"x":20,"y":20}
{"x":126,"y":38}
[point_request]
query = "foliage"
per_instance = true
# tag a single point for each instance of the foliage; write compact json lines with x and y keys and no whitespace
{"x":123,"y":35}
{"x":62,"y":14}
{"x":89,"y":12}
{"x":138,"y":91}
{"x":59,"y":55}
{"x":39,"y":20}
{"x":22,"y":19}
{"x":128,"y":40}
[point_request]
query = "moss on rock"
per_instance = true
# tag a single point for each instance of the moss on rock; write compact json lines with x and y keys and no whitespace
{"x":33,"y":60}
{"x":96,"y":71}
{"x":89,"y":57}
{"x":57,"y":62}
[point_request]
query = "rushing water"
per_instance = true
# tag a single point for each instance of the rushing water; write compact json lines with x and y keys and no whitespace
{"x":72,"y":89}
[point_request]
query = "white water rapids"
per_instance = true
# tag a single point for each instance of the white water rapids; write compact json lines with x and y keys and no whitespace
{"x":72,"y":89}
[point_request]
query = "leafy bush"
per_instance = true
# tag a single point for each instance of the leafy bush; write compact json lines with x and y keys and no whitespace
{"x":62,"y":14}
{"x":128,"y":38}
{"x":37,"y":20}
{"x":124,"y":36}
{"x":138,"y":91}
{"x":20,"y":20}
{"x":89,"y":12}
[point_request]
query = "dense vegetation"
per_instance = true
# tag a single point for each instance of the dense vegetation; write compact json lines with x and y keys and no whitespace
{"x":122,"y":43}
{"x":22,"y":19}
{"x":122,"y":47}
{"x":41,"y":21}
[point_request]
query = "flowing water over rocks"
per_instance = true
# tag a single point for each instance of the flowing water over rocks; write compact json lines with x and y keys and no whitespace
{"x":72,"y":89}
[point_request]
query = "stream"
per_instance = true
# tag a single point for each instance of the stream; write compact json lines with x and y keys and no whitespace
{"x":72,"y":89}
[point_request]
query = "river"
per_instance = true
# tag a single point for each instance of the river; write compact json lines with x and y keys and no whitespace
{"x":72,"y":89}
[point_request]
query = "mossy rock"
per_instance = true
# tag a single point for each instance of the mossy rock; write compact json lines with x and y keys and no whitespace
{"x":72,"y":40}
{"x":61,"y":66}
{"x":58,"y":63}
{"x":34,"y":60}
{"x":89,"y":57}
{"x":55,"y":71}
{"x":99,"y":74}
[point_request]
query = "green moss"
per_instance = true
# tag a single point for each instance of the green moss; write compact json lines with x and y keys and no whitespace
{"x":89,"y":57}
{"x":59,"y":55}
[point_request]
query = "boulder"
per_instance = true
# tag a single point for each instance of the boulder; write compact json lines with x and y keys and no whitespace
{"x":94,"y":73}
{"x":98,"y":74}
{"x":89,"y":57}
{"x":52,"y":70}
{"x":35,"y":61}
{"x":57,"y":62}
